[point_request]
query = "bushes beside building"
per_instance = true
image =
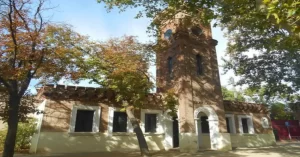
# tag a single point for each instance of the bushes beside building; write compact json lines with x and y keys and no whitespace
{"x":24,"y":134}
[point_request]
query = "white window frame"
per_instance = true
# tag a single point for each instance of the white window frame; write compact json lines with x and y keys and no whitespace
{"x":96,"y":117}
{"x":111,"y":111}
{"x":265,"y":125}
{"x":249,"y":123}
{"x":231,"y":123}
{"x":159,"y":122}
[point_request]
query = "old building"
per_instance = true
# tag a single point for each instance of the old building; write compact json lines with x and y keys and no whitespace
{"x":79,"y":119}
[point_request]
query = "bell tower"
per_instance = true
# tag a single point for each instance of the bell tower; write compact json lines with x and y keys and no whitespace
{"x":189,"y":66}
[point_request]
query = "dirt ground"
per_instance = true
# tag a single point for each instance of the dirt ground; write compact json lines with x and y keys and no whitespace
{"x":281,"y":150}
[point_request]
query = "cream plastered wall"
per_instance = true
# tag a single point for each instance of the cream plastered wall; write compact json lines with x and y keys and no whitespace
{"x":2,"y":125}
{"x":189,"y":142}
{"x":59,"y":142}
{"x":252,"y":140}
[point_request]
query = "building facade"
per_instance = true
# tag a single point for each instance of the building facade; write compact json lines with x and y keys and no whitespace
{"x":2,"y":125}
{"x":79,"y":119}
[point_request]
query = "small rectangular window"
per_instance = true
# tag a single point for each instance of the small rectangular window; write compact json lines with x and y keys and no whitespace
{"x":150,"y":122}
{"x":204,"y":124}
{"x":245,"y":125}
{"x":199,"y":65}
{"x":84,"y":121}
{"x":170,"y":68}
{"x":120,"y":122}
{"x":228,"y":125}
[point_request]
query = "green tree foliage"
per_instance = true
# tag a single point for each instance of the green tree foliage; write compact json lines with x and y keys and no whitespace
{"x":24,"y":135}
{"x":271,"y":27}
{"x":232,"y":95}
{"x":121,"y":65}
{"x":278,"y":104}
{"x":281,"y":111}
{"x":31,"y":48}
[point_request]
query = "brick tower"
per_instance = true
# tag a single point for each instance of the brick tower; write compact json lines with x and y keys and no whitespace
{"x":189,"y":65}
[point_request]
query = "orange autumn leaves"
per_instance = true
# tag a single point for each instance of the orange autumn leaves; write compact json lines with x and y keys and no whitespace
{"x":37,"y":49}
{"x":121,"y":64}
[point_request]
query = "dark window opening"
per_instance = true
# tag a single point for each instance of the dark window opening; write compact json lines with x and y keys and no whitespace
{"x":84,"y":121}
{"x":199,"y":65}
{"x":150,"y":122}
{"x":245,"y":125}
{"x":204,"y":124}
{"x":168,"y":34}
{"x":197,"y":31}
{"x":170,"y":68}
{"x":120,"y":122}
{"x":228,"y":125}
{"x":175,"y":133}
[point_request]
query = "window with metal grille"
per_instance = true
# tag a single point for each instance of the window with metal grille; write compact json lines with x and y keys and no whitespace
{"x":120,"y":122}
{"x":204,"y":124}
{"x":245,"y":125}
{"x":199,"y":65}
{"x":150,"y":122}
{"x":84,"y":121}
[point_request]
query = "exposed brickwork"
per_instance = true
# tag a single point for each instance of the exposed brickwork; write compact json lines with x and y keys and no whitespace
{"x":194,"y":91}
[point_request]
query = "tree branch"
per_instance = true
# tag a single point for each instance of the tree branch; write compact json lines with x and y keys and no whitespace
{"x":7,"y":85}
{"x":25,"y":84}
{"x":12,"y":32}
{"x":24,"y":21}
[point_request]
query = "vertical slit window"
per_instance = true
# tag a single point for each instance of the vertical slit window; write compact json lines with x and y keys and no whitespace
{"x":199,"y":65}
{"x":228,"y":125}
{"x":170,"y":68}
{"x":245,"y":125}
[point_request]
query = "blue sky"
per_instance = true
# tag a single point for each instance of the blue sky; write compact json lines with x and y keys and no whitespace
{"x":91,"y":18}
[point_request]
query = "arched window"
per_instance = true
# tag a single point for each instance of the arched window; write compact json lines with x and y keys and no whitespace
{"x":170,"y":68}
{"x":199,"y":65}
{"x":168,"y":34}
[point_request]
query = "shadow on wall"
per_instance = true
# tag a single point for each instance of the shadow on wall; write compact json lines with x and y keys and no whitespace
{"x":255,"y":140}
{"x":58,"y":142}
{"x":195,"y":88}
{"x":55,"y":136}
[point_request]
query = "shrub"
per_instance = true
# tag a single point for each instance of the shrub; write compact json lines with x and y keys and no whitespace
{"x":24,"y":134}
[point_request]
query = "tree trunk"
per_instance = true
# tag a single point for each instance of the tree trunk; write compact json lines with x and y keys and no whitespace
{"x":139,"y":134}
{"x":13,"y":119}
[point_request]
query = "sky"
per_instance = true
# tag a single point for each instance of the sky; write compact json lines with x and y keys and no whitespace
{"x":90,"y":18}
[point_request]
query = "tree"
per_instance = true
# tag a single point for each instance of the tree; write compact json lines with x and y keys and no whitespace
{"x":31,"y":48}
{"x":278,"y":104}
{"x":275,"y":64}
{"x":232,"y":95}
{"x":27,"y":106}
{"x":271,"y":27}
{"x":121,"y":65}
{"x":281,"y":111}
{"x":295,"y":108}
